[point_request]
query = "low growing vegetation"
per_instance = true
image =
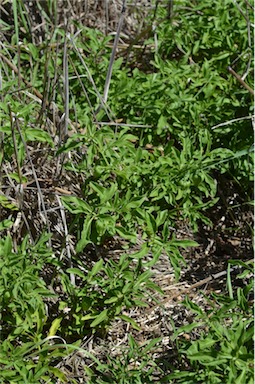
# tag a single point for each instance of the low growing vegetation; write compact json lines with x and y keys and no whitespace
{"x":96,"y":189}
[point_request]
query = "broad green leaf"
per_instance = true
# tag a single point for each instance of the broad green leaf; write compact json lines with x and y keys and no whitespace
{"x":140,"y":254}
{"x":97,"y":267}
{"x":33,"y":134}
{"x":100,"y":318}
{"x":6,"y":247}
{"x":161,"y":217}
{"x":87,"y":317}
{"x":162,"y":124}
{"x":206,"y":343}
{"x":111,"y":300}
{"x":151,"y":225}
{"x":135,"y":202}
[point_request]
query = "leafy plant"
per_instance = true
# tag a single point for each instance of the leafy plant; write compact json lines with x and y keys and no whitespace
{"x":134,"y":366}
{"x":223,"y":353}
{"x":103,"y":293}
{"x":31,"y":362}
{"x":146,"y":162}
{"x":24,"y":350}
{"x":22,"y":290}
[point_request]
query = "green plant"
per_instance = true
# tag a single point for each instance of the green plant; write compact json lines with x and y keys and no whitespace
{"x":103,"y":293}
{"x":134,"y":366}
{"x":32,"y":361}
{"x":146,"y":163}
{"x":22,"y":290}
{"x":24,"y":356}
{"x":223,"y":353}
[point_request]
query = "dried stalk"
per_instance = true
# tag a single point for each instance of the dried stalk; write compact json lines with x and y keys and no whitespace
{"x":241,"y":81}
{"x":115,"y":44}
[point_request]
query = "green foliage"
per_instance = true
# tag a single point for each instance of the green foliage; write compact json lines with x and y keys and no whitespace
{"x":24,"y":356}
{"x":190,"y":90}
{"x":155,"y":169}
{"x":223,"y":353}
{"x":31,"y":362}
{"x":104,"y":292}
{"x":22,"y":291}
{"x":135,"y":366}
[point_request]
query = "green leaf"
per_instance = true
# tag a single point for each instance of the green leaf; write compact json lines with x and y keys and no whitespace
{"x":126,"y":234}
{"x":151,"y":344}
{"x":151,"y":225}
{"x":89,"y":316}
{"x":76,"y":271}
{"x":76,"y":205}
{"x":55,"y":326}
{"x":16,"y":177}
{"x":162,"y":124}
{"x":131,"y":321}
{"x":221,"y":56}
{"x":161,"y":217}
{"x":6,"y":247}
{"x":85,"y":234}
{"x":97,"y":267}
{"x":33,"y":50}
{"x":140,"y":254}
{"x":8,"y":204}
{"x":188,"y":328}
{"x":58,"y":373}
{"x":135,"y":202}
{"x":112,"y":300}
{"x":33,"y":134}
{"x":100,"y":318}
{"x":206,"y":343}
{"x":104,"y":193}
{"x":5,"y":224}
{"x":184,"y":243}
